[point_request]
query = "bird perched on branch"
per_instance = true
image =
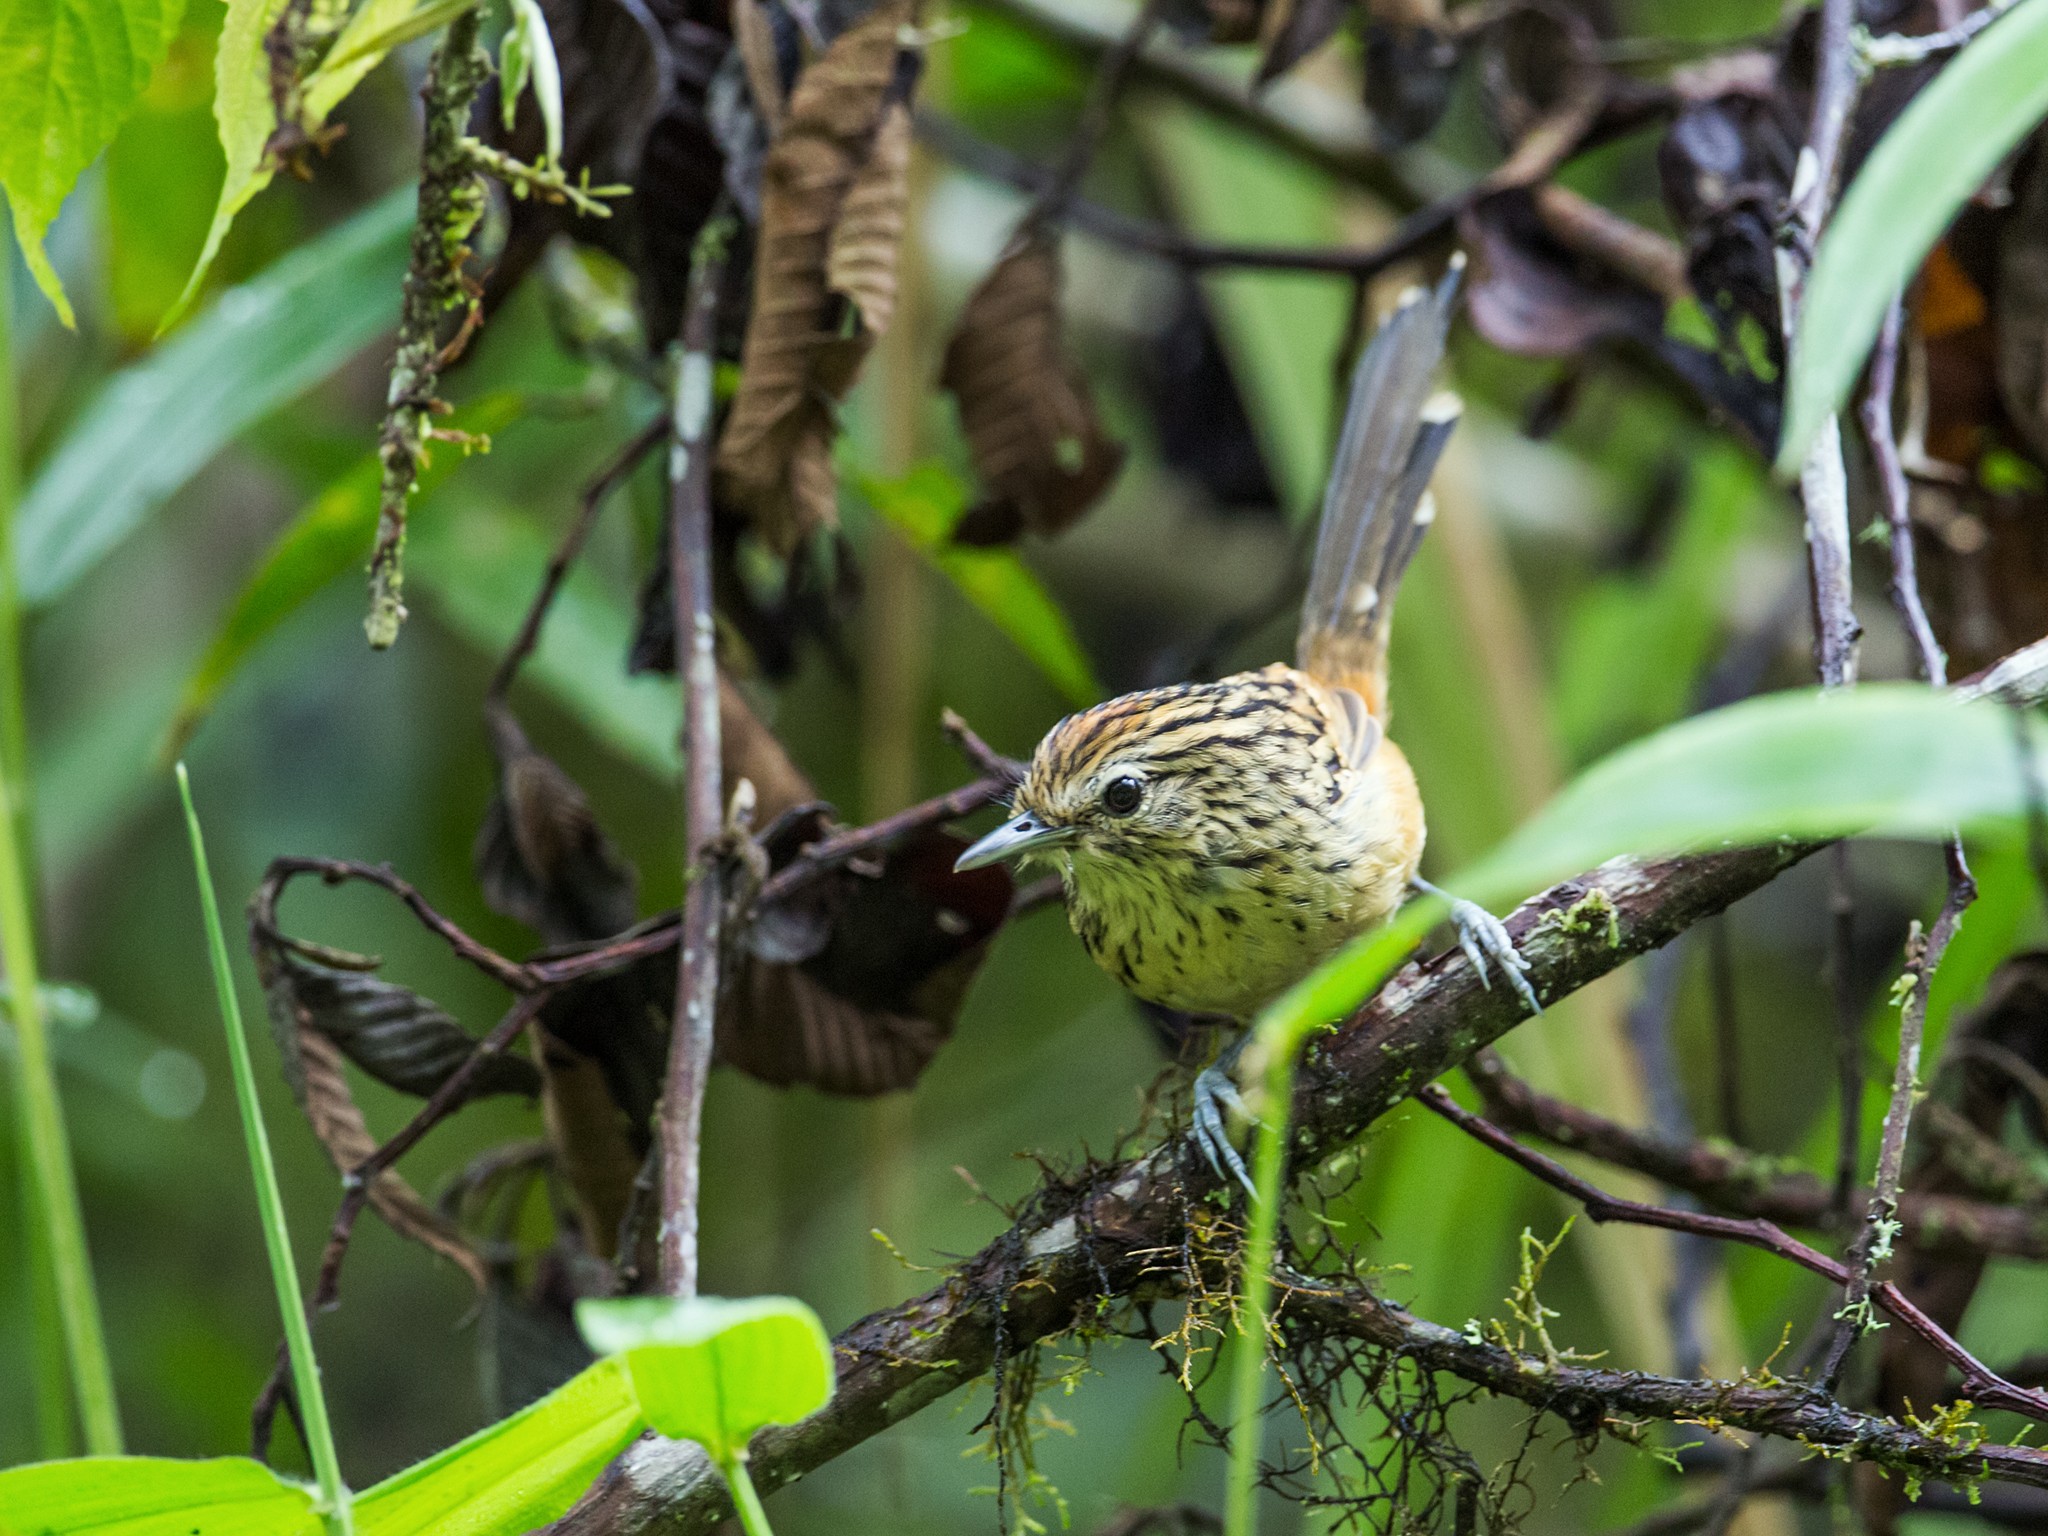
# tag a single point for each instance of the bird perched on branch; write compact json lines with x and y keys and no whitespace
{"x":1217,"y":841}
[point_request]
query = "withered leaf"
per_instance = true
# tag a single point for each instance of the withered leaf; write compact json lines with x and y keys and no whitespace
{"x":540,"y":855}
{"x":394,"y":1034}
{"x":1027,"y":412}
{"x":860,"y":265}
{"x":888,"y":956}
{"x":1302,"y":27}
{"x":1411,"y":69}
{"x":598,"y":1147}
{"x":338,"y":1123}
{"x":1531,"y":295}
{"x":804,"y":344}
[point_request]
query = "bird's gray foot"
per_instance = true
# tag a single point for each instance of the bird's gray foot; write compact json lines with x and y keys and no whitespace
{"x":1216,"y":1100}
{"x":1486,"y":942}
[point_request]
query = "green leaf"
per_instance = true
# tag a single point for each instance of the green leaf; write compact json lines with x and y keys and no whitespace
{"x":372,"y":32}
{"x":154,"y":425}
{"x":328,"y":539}
{"x":518,"y":1474}
{"x":715,"y":1371}
{"x":923,"y":506}
{"x":70,"y":70}
{"x":1896,"y":759}
{"x":247,"y":116}
{"x":479,"y":566}
{"x":153,"y":1496}
{"x":1948,"y":140}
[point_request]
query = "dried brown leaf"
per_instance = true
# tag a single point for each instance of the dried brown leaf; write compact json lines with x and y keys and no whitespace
{"x":803,"y":346}
{"x":1028,"y":414}
{"x":749,"y":750}
{"x":400,"y":1038}
{"x":861,"y":263}
{"x":1296,"y":29}
{"x":597,"y":1147}
{"x":541,"y":856}
{"x":338,"y":1122}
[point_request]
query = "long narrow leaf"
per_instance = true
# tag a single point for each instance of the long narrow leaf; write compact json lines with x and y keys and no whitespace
{"x":154,"y":425}
{"x":1944,"y":145}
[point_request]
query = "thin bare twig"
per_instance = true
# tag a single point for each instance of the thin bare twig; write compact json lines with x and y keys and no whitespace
{"x":1740,"y":1182}
{"x":1147,"y":238}
{"x":689,"y":1057}
{"x":510,"y":974}
{"x":1981,"y":1384}
{"x":588,"y":505}
{"x":838,"y":849}
{"x":1895,"y":48}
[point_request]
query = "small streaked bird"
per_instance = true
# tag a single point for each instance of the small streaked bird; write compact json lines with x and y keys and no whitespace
{"x":1219,"y":840}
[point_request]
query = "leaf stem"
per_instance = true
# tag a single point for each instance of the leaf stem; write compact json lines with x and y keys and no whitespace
{"x":53,"y":1209}
{"x":333,"y":1500}
{"x":746,"y":1503}
{"x":1328,"y":994}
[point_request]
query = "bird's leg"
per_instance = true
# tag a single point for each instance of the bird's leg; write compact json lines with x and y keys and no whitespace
{"x":1485,"y":938}
{"x":1216,"y":1098}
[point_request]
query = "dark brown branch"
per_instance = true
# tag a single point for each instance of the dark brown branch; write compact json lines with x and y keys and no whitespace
{"x":1981,"y":1384}
{"x":1112,"y":71}
{"x":445,"y":1100}
{"x":510,"y":974}
{"x":1746,"y":1183}
{"x":982,"y":757}
{"x":588,"y":505}
{"x":841,"y":847}
{"x":1122,"y":1228}
{"x":1591,"y":1399}
{"x":689,"y":1056}
{"x":1294,"y":117}
{"x":1147,"y":238}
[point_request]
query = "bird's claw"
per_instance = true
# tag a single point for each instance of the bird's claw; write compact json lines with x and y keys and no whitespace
{"x":1487,"y":942}
{"x":1215,"y":1099}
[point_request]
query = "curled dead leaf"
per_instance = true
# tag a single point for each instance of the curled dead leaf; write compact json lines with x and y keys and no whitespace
{"x":338,"y":1123}
{"x":805,"y":341}
{"x":540,"y":855}
{"x":598,"y":1148}
{"x":400,"y":1038}
{"x":861,"y":262}
{"x":1294,"y":29}
{"x":1030,"y":419}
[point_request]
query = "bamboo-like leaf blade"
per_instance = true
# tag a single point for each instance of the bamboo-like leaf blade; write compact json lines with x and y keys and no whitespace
{"x":1948,"y":140}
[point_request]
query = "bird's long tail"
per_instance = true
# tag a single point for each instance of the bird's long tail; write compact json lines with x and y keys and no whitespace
{"x":1377,"y":507}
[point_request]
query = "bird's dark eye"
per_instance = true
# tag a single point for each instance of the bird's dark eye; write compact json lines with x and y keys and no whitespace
{"x":1120,"y":796}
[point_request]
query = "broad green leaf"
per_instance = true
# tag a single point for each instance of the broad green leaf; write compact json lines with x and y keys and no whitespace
{"x":70,"y":70}
{"x":715,"y":1371}
{"x":923,"y":506}
{"x":372,"y":32}
{"x":1948,"y":140}
{"x":478,"y":566}
{"x":517,"y":1475}
{"x":1891,"y":758}
{"x":247,"y":116}
{"x":153,"y":1496}
{"x":154,"y":425}
{"x":151,"y":175}
{"x":329,"y":538}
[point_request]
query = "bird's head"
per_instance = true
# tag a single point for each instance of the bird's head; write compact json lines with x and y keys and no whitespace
{"x":1172,"y":775}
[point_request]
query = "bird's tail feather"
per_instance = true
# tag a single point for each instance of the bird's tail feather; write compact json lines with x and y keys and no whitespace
{"x":1377,"y":506}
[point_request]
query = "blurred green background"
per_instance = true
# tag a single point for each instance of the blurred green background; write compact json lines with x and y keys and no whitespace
{"x":1577,"y":592}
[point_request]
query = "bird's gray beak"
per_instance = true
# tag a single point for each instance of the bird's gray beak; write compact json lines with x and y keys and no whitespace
{"x":1019,"y":835}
